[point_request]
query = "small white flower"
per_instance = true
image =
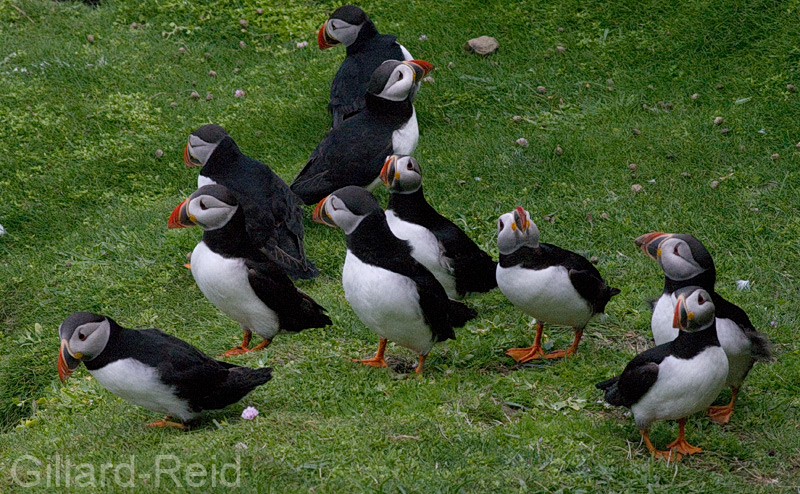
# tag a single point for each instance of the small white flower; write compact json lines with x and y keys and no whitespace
{"x":522,"y":142}
{"x":743,"y":284}
{"x":302,"y":44}
{"x":423,"y":38}
{"x":249,"y":413}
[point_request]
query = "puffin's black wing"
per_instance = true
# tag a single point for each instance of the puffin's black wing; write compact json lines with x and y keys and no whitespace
{"x":593,"y":288}
{"x":296,"y":310}
{"x":638,"y":377}
{"x":351,"y":154}
{"x":760,"y":346}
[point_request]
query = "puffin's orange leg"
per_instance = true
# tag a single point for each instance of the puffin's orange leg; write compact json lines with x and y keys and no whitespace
{"x":264,"y":344}
{"x":243,"y":348}
{"x":421,"y":363}
{"x":571,"y":350}
{"x":662,"y":455}
{"x":523,"y":355}
{"x":377,"y":360}
{"x":722,"y":415}
{"x":167,"y":423}
{"x":681,"y":445}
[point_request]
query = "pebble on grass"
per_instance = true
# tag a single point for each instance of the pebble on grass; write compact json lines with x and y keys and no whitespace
{"x":724,"y":131}
{"x":209,"y":97}
{"x":718,"y":120}
{"x":173,"y":104}
{"x":695,"y":96}
{"x":212,"y":73}
{"x":243,"y":22}
{"x":90,"y":38}
{"x":522,"y":142}
{"x":517,"y":118}
{"x":775,"y":156}
{"x":637,"y":188}
{"x":559,"y":151}
{"x":791,"y":88}
{"x":159,"y":153}
{"x":242,"y":44}
{"x":594,"y":259}
{"x":259,"y":11}
{"x":714,"y":184}
{"x":194,"y":95}
{"x":637,"y":132}
{"x":541,"y":89}
{"x":633,"y":167}
{"x":207,"y":55}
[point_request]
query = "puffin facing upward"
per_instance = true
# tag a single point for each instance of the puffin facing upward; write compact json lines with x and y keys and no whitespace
{"x":552,"y":284}
{"x":436,"y":242}
{"x":353,"y":153}
{"x":366,"y":50}
{"x":152,"y":369}
{"x":238,"y":278}
{"x":685,"y":262}
{"x":274,"y":213}
{"x":676,"y":379}
{"x":392,"y":293}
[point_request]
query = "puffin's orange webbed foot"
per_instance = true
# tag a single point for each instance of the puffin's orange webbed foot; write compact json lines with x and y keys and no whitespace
{"x":167,"y":423}
{"x":523,"y":355}
{"x":682,"y":447}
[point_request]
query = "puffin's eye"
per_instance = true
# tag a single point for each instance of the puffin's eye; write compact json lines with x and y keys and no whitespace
{"x":399,"y":76}
{"x":700,"y":300}
{"x":410,"y":166}
{"x":81,"y":336}
{"x":500,"y":224}
{"x":676,"y":250}
{"x":203,"y":206}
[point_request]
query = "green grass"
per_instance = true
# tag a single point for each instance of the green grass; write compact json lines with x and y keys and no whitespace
{"x":85,"y":203}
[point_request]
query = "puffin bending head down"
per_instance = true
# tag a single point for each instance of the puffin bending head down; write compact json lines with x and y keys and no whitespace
{"x":552,"y":284}
{"x":152,"y":369}
{"x":393,"y":294}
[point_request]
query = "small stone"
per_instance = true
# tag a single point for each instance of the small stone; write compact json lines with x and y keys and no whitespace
{"x":686,"y":175}
{"x":561,"y":49}
{"x":194,"y":95}
{"x":637,"y":188}
{"x":134,"y":25}
{"x":423,"y":38}
{"x":791,"y":88}
{"x":559,"y":151}
{"x":609,"y":88}
{"x":718,"y":120}
{"x":207,"y":55}
{"x":159,"y":153}
{"x":484,"y":45}
{"x":173,"y":104}
{"x":672,"y":156}
{"x":633,"y":167}
{"x":714,"y":184}
{"x":724,"y":131}
{"x":461,"y":182}
{"x":302,"y":44}
{"x":181,"y":50}
{"x":236,"y":70}
{"x":259,"y":11}
{"x":650,"y":86}
{"x":429,"y":79}
{"x":695,"y":96}
{"x":29,"y":108}
{"x":541,"y":89}
{"x":594,"y":259}
{"x":522,"y":142}
{"x":243,"y":30}
{"x":560,"y":30}
{"x":242,"y":44}
{"x":209,"y":97}
{"x":450,"y":65}
{"x":90,"y":38}
{"x":243,"y":22}
{"x":238,"y":93}
{"x":775,"y":156}
{"x":212,"y":73}
{"x":550,"y":219}
{"x":517,"y":118}
{"x":719,"y":86}
{"x":637,"y":132}
{"x":797,"y":145}
{"x":741,"y":147}
{"x":604,"y":216}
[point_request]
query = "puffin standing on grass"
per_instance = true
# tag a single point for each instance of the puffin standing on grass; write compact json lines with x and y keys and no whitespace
{"x":676,"y":379}
{"x":353,"y":153}
{"x":685,"y":262}
{"x":152,"y":369}
{"x":552,"y":284}
{"x":436,"y":242}
{"x":239,"y":278}
{"x":366,"y":50}
{"x":392,"y":293}
{"x":273,"y":212}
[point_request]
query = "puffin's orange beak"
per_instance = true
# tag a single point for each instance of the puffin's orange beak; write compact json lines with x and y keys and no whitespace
{"x":321,"y":213}
{"x":179,"y":218}
{"x":649,"y":243}
{"x":388,"y":170}
{"x":323,"y":40}
{"x":681,"y":318}
{"x":422,"y":65}
{"x":524,"y":223}
{"x":66,"y":362}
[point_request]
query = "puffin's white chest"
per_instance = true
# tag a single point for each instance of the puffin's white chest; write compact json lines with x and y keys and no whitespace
{"x":404,"y":139}
{"x":139,"y":384}
{"x":683,"y":387}
{"x":546,"y":294}
{"x":738,"y":349}
{"x":387,"y":303}
{"x":202,"y":181}
{"x":426,"y":249}
{"x":225,"y":284}
{"x":661,"y":322}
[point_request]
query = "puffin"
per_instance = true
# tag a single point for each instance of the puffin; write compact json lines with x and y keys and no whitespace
{"x":675,"y":379}
{"x":685,"y":262}
{"x":391,"y":293}
{"x":551,"y":284}
{"x":239,"y":278}
{"x":274,"y":213}
{"x":436,"y":242}
{"x":152,"y":369}
{"x":354,"y":152}
{"x":366,"y":50}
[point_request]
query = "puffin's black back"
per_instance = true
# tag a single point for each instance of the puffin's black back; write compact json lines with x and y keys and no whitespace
{"x":273,"y":212}
{"x":584,"y":276}
{"x":474,"y":269}
{"x":205,"y":383}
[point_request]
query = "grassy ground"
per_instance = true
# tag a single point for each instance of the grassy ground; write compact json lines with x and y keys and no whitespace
{"x":85,"y":202}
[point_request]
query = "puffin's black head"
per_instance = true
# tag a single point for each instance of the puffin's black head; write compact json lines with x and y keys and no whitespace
{"x":84,"y":336}
{"x":401,"y":174}
{"x":342,"y":27}
{"x":210,"y":206}
{"x":346,"y":208}
{"x":694,"y":310}
{"x":202,"y":143}
{"x":515,"y":229}
{"x":680,"y":255}
{"x":395,"y":81}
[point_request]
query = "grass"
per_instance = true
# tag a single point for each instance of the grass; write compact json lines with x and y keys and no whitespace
{"x":85,"y":202}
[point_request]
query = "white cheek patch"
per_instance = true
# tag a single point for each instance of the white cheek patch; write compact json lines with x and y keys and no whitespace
{"x":398,"y":90}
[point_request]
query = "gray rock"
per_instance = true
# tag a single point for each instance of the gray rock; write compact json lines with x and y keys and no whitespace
{"x":485,"y":45}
